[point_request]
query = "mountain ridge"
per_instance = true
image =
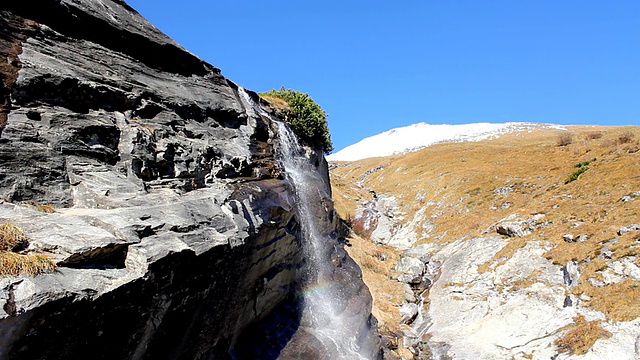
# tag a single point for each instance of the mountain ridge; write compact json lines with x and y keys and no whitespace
{"x":420,"y":135}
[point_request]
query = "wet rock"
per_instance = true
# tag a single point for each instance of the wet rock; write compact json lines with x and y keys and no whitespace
{"x":174,"y":231}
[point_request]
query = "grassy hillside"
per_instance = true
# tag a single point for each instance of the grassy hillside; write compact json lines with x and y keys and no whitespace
{"x":583,"y":179}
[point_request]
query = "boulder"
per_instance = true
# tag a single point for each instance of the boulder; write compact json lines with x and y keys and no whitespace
{"x":629,"y":228}
{"x":516,"y":226}
{"x":512,"y":229}
{"x":410,"y":270}
{"x":408,"y":311}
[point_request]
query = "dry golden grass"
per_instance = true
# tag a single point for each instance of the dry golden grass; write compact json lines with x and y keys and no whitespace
{"x":13,"y":264}
{"x":45,"y":208}
{"x":454,"y":183}
{"x":387,"y":294}
{"x":276,"y":102}
{"x":580,"y":335}
{"x":503,"y":254}
{"x":528,"y":281}
{"x":626,"y":245}
{"x":10,"y":236}
{"x":593,"y":135}
{"x":347,"y":195}
{"x":619,"y":301}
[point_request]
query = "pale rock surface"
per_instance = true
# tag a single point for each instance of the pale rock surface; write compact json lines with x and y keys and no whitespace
{"x":410,"y":269}
{"x":494,"y":319}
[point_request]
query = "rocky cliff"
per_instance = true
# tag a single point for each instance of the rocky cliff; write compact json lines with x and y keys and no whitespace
{"x":174,"y":231}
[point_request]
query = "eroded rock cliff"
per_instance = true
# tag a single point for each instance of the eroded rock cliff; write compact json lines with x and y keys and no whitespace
{"x":174,"y":231}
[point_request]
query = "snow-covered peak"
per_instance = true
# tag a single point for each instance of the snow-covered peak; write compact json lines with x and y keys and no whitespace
{"x":417,"y":136}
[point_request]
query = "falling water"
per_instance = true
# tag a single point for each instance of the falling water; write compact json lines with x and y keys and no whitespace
{"x":327,"y":314}
{"x":331,"y":312}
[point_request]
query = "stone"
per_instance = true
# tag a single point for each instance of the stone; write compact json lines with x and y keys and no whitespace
{"x":420,"y":252}
{"x":494,"y":322}
{"x":408,"y":311}
{"x":516,"y":226}
{"x":630,"y":197}
{"x":174,"y":232}
{"x":512,"y":229}
{"x":582,"y":238}
{"x":629,"y":228}
{"x":505,"y":190}
{"x":408,"y":294}
{"x":410,"y":270}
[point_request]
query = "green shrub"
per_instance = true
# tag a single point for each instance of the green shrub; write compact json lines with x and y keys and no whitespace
{"x":581,"y":168}
{"x":584,"y":163}
{"x":308,"y":119}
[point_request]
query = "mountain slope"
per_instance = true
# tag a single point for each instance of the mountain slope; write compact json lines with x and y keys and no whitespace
{"x":528,"y":242}
{"x":418,"y":136}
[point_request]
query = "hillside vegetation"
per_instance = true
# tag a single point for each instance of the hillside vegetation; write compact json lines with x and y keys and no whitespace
{"x":308,"y":119}
{"x":579,"y":185}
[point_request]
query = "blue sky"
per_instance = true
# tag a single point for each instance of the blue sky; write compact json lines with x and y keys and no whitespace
{"x":375,"y":65}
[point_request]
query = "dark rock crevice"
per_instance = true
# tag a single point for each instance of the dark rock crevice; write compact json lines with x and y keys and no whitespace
{"x":112,"y":256}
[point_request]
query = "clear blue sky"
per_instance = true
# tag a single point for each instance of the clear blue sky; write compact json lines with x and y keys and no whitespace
{"x":375,"y":65}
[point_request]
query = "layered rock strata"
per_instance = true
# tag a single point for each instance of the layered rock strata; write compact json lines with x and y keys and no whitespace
{"x":174,"y":231}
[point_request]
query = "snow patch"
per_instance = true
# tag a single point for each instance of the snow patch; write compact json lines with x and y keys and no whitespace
{"x":417,"y":136}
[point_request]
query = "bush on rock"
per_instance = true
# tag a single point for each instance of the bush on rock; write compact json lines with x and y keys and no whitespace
{"x":307,"y":118}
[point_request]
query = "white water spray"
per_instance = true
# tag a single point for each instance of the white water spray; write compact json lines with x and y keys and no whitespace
{"x":332,"y":313}
{"x":327,"y":314}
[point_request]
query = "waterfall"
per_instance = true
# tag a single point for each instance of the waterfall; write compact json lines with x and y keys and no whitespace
{"x":326,"y":312}
{"x":334,"y":312}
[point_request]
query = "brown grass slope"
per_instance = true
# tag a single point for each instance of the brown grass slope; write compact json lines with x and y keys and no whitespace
{"x":547,"y":172}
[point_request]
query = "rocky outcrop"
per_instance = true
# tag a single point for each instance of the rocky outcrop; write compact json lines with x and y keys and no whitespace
{"x":174,"y":233}
{"x":515,"y":225}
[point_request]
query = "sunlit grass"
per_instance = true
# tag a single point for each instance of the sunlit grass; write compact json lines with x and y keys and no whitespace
{"x":12,"y":263}
{"x":455,"y":184}
{"x":579,"y":336}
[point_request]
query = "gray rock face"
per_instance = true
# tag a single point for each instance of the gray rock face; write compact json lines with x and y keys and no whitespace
{"x":174,"y":231}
